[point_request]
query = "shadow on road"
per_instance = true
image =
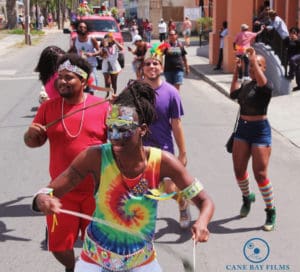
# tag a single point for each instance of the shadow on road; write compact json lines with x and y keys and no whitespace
{"x":7,"y":209}
{"x":218,"y":228}
{"x":172,"y":228}
{"x":4,"y":237}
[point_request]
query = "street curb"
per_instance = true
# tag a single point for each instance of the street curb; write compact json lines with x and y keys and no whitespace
{"x":210,"y":81}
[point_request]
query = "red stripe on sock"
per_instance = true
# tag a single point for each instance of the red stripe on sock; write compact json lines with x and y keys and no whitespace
{"x":246,"y":176}
{"x":264,"y":183}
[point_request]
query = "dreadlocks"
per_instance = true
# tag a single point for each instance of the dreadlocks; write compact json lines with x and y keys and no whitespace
{"x":141,"y":96}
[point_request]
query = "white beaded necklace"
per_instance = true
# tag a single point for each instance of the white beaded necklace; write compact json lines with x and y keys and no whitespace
{"x":81,"y":121}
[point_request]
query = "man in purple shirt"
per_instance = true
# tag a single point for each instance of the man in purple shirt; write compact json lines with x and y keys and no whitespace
{"x":169,"y":111}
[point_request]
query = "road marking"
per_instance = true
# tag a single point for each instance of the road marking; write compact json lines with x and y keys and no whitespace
{"x":7,"y":72}
{"x":21,"y":77}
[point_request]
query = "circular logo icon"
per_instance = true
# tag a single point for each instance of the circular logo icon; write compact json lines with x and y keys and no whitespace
{"x":256,"y":250}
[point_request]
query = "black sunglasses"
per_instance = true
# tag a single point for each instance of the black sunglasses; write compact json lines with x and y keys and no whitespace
{"x":154,"y":63}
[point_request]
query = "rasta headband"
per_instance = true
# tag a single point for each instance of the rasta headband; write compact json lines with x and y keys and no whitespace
{"x":72,"y":68}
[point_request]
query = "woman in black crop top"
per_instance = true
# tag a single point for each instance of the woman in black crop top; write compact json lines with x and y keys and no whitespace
{"x":253,"y":135}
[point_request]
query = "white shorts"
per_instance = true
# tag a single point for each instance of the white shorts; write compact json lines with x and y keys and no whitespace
{"x":111,"y":67}
{"x":82,"y":266}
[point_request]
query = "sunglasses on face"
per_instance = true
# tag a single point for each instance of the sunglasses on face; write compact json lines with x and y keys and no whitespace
{"x":154,"y":63}
{"x":120,"y":132}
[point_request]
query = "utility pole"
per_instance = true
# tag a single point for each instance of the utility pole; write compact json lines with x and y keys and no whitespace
{"x":27,"y":23}
{"x":36,"y":16}
{"x":58,"y":14}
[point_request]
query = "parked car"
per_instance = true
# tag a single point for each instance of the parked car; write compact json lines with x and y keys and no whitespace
{"x":99,"y":26}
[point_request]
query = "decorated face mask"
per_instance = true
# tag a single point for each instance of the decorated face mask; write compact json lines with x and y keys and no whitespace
{"x":120,"y":123}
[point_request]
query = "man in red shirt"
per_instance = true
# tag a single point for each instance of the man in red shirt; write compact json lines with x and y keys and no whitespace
{"x":68,"y":136}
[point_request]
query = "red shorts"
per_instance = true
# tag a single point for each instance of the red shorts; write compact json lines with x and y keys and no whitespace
{"x":66,"y":232}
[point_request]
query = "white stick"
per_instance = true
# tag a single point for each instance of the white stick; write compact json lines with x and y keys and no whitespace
{"x":103,"y":222}
{"x":194,"y":255}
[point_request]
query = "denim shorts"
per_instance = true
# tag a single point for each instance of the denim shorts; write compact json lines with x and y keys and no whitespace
{"x":174,"y":77}
{"x":256,"y":133}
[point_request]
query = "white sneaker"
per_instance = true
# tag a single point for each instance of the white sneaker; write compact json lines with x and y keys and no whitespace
{"x":184,"y":215}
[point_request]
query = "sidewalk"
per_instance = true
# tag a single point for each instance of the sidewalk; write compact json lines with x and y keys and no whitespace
{"x":284,"y":111}
{"x":9,"y":41}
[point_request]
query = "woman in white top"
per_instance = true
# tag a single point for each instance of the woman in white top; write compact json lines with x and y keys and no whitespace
{"x":109,"y":52}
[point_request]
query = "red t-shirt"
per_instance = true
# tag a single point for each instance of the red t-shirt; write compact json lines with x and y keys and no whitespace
{"x":63,"y":148}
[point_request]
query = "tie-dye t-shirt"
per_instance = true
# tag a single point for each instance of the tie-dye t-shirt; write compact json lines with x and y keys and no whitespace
{"x":121,"y":202}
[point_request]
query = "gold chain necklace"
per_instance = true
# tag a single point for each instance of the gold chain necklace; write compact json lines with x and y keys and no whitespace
{"x":81,"y":121}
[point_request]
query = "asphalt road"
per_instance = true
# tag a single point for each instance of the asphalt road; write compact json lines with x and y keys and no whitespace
{"x":208,"y":120}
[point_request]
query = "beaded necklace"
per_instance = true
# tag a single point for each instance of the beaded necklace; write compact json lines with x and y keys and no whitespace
{"x":81,"y":121}
{"x":141,"y":187}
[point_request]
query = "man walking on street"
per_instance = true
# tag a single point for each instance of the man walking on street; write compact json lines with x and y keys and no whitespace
{"x":162,"y":29}
{"x":68,"y":136}
{"x":169,"y":109}
{"x":41,"y":21}
{"x":223,"y":33}
{"x":87,"y":47}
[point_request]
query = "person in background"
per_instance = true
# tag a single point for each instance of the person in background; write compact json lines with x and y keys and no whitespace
{"x":139,"y":52}
{"x":109,"y":52}
{"x":171,"y":25}
{"x":21,"y":21}
{"x":278,"y":25}
{"x":87,"y":47}
{"x":170,"y":111}
{"x":41,"y":21}
{"x":263,"y":19}
{"x":243,"y":40}
{"x":187,"y":30}
{"x":294,"y":56}
{"x":50,"y":20}
{"x":223,"y":33}
{"x":47,"y":69}
{"x":67,"y":138}
{"x":122,"y":22}
{"x":162,"y":30}
{"x":280,"y":42}
{"x":134,"y":30}
{"x":253,"y":138}
{"x":148,"y":27}
{"x":175,"y":60}
{"x":126,"y":176}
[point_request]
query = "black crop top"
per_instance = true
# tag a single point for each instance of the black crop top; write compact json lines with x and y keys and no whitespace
{"x":253,"y":100}
{"x":141,"y":52}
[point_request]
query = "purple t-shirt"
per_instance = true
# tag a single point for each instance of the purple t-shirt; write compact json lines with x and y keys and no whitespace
{"x":168,"y":106}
